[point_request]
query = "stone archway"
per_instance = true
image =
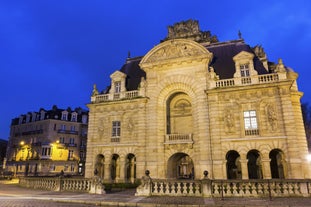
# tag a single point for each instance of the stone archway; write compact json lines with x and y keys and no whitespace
{"x":115,"y":167}
{"x":254,"y":165}
{"x":276,"y":163}
{"x":99,"y":166}
{"x":180,"y":166}
{"x":130,"y":167}
{"x":233,"y":165}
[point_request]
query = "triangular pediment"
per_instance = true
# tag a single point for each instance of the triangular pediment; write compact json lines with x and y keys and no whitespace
{"x":117,"y":75}
{"x":243,"y":55}
{"x":177,"y":50}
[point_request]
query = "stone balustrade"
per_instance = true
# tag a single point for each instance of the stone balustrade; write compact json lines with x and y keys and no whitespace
{"x":63,"y":184}
{"x":178,"y":138}
{"x":260,"y":79}
{"x":116,"y":96}
{"x":227,"y":188}
{"x":176,"y":187}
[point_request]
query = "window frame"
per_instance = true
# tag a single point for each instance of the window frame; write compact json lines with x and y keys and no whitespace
{"x":116,"y":129}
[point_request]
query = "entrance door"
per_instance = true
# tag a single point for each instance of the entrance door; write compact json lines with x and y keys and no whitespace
{"x":180,"y":166}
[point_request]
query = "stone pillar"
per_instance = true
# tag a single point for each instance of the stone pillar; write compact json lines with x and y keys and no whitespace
{"x":120,"y":170}
{"x":206,"y":185}
{"x":132,"y":171}
{"x":107,"y":174}
{"x":266,"y":170}
{"x":244,"y":168}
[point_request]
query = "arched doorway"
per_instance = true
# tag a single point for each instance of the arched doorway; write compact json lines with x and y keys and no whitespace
{"x":115,"y":167}
{"x":180,"y":166}
{"x":179,"y":114}
{"x":233,"y":165}
{"x":276,"y":163}
{"x":130,"y":167}
{"x":99,"y":166}
{"x":254,"y":165}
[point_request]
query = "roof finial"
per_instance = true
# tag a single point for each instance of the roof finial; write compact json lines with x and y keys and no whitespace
{"x":240,"y":34}
{"x":129,"y":54}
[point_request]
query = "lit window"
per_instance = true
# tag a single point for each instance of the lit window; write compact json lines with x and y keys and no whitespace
{"x":46,"y":151}
{"x":116,"y":128}
{"x":250,"y":120}
{"x":117,"y":86}
{"x":244,"y":68}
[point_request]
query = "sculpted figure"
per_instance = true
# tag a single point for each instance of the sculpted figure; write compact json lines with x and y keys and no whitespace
{"x":95,"y":91}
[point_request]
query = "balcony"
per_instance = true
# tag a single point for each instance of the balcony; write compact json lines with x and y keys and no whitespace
{"x":40,"y":131}
{"x":62,"y":131}
{"x":117,"y":96}
{"x":70,"y":145}
{"x":178,"y":138}
{"x":260,"y":79}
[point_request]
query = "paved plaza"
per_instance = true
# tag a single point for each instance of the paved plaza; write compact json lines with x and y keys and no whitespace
{"x":12,"y":195}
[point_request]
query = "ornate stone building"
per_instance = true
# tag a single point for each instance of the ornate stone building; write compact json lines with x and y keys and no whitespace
{"x":48,"y":142}
{"x":193,"y":103}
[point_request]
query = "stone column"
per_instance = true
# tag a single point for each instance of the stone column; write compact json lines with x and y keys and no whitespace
{"x":266,"y":170}
{"x":132,"y":171}
{"x":120,"y":171}
{"x":107,"y":174}
{"x":244,"y":168}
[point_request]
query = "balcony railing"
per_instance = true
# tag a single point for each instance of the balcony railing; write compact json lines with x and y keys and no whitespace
{"x":62,"y":131}
{"x":260,"y":79}
{"x":178,"y":138}
{"x":117,"y":96}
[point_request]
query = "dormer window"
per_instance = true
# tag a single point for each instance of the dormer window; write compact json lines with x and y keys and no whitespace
{"x":244,"y":69}
{"x":117,"y":83}
{"x":244,"y":65}
{"x":117,"y":87}
{"x":64,"y":115}
{"x":74,"y":117}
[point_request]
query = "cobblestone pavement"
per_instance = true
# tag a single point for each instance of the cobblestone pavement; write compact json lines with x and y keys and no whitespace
{"x":11,"y":195}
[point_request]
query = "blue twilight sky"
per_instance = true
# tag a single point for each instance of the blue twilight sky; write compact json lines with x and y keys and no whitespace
{"x":53,"y":51}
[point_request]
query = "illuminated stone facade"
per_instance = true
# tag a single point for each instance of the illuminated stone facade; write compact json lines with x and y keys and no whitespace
{"x":48,"y":142}
{"x":193,"y":103}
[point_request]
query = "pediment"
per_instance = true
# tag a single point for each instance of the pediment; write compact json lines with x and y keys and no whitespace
{"x":243,"y":55}
{"x":117,"y":75}
{"x":176,"y":50}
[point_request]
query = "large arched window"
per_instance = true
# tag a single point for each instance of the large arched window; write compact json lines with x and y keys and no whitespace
{"x":233,"y":165}
{"x":276,"y":163}
{"x":130,"y":167}
{"x":254,"y":165}
{"x":179,"y":114}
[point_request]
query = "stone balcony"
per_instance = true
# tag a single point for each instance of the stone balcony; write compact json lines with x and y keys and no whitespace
{"x":115,"y":96}
{"x":178,"y":138}
{"x":241,"y":81}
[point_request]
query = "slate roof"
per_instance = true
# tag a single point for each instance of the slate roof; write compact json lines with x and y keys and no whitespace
{"x":223,"y":64}
{"x":54,"y":113}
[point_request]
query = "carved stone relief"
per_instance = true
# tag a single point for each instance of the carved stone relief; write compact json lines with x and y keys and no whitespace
{"x":271,"y":117}
{"x":229,"y":121}
{"x":174,"y":50}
